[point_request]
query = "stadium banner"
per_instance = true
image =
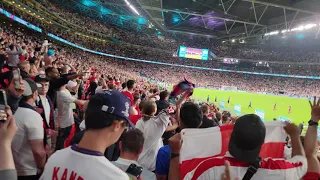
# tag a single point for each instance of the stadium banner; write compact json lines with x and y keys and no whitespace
{"x":282,"y":118}
{"x":260,"y":113}
{"x":237,"y":109}
{"x":222,"y":104}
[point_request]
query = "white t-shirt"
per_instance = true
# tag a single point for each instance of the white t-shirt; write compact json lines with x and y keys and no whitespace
{"x":46,"y":107}
{"x":125,"y":163}
{"x":64,"y":104}
{"x":152,"y":130}
{"x":30,"y":127}
{"x":81,"y":164}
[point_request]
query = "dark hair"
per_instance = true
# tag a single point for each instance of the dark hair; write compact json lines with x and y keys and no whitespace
{"x":218,"y":116}
{"x":132,"y":141}
{"x":11,"y":46}
{"x":130,"y":84}
{"x":111,"y":86}
{"x":191,"y":115}
{"x":95,"y":118}
{"x":205,"y":109}
{"x":164,"y":94}
{"x":136,"y":97}
{"x":155,"y":90}
{"x":49,"y":70}
{"x":124,"y":85}
{"x":225,"y":118}
{"x":142,"y":104}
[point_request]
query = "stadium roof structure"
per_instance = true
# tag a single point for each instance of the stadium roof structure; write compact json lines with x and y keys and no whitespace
{"x":221,"y":19}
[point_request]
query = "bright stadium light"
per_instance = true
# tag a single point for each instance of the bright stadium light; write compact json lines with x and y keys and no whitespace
{"x":233,"y":40}
{"x":132,"y":8}
{"x":309,"y":26}
{"x":272,"y":33}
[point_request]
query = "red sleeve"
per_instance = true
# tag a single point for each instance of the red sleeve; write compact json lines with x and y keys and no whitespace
{"x":129,"y":96}
{"x":134,"y":118}
{"x":311,"y":176}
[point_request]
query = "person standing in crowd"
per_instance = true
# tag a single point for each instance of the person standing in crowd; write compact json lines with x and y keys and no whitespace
{"x":130,"y":90}
{"x":56,"y":81}
{"x":45,"y":109}
{"x":206,"y":122}
{"x":247,"y":137}
{"x":189,"y":115}
{"x":13,"y":52}
{"x":27,"y":145}
{"x":65,"y":116}
{"x":107,"y":116}
{"x":131,"y":145}
{"x":136,"y":114}
{"x":24,"y":67}
{"x":163,"y":102}
{"x":153,"y":128}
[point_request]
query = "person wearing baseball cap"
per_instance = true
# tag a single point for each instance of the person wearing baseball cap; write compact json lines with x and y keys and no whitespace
{"x":247,"y":138}
{"x":45,"y":108}
{"x":106,"y":118}
{"x":27,"y":145}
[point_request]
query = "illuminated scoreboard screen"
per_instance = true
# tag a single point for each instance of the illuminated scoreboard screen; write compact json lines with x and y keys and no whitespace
{"x":193,"y":53}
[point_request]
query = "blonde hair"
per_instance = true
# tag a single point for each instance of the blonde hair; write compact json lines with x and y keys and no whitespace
{"x":149,"y":109}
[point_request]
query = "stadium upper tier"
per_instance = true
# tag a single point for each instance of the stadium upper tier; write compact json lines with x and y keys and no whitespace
{"x":66,"y":16}
{"x":30,"y":39}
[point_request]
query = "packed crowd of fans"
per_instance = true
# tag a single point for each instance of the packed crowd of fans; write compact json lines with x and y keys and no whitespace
{"x":163,"y":73}
{"x":168,"y":43}
{"x":75,"y":115}
{"x":148,"y":37}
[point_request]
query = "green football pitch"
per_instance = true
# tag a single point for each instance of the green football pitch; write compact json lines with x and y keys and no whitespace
{"x":300,"y":108}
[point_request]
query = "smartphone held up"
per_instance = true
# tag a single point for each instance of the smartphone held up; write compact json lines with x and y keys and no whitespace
{"x":3,"y":104}
{"x":16,"y":78}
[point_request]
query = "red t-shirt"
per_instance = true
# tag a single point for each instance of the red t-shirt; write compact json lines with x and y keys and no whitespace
{"x":129,"y":96}
{"x":92,"y":78}
{"x":134,"y":118}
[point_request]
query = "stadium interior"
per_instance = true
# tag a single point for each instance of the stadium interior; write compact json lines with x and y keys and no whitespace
{"x":228,"y":58}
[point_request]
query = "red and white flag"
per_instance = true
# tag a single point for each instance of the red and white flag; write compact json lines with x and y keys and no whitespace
{"x":199,"y":145}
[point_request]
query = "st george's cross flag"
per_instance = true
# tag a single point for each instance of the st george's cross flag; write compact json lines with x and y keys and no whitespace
{"x":201,"y":145}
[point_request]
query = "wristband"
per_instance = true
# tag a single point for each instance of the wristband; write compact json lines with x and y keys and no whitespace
{"x":313,"y":123}
{"x":174,"y":155}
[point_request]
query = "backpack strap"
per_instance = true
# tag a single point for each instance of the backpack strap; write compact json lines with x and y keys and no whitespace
{"x":252,"y":169}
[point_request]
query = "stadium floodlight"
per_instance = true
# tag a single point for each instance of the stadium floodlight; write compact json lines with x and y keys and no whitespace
{"x":132,"y":8}
{"x":309,"y":26}
{"x":223,"y":41}
{"x":233,"y":40}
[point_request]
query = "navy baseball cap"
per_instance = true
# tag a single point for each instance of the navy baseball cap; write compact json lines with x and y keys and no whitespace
{"x":105,"y":103}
